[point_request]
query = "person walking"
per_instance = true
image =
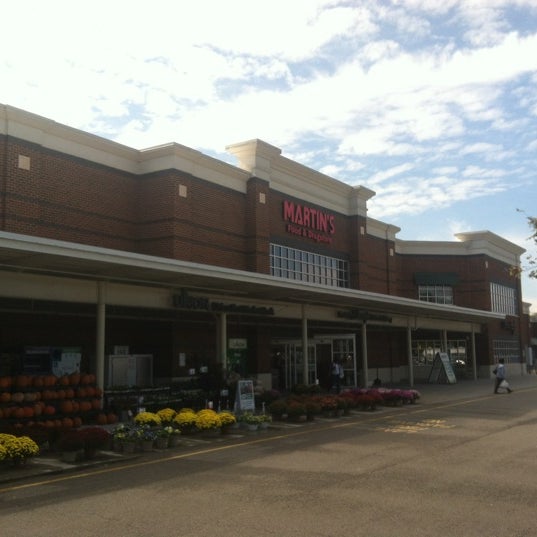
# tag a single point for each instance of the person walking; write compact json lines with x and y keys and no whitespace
{"x":335,"y":376}
{"x":499,"y":371}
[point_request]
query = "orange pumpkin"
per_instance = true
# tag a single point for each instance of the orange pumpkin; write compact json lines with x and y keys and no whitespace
{"x":96,"y":404}
{"x":111,"y":418}
{"x":69,"y":393}
{"x":66,"y":406}
{"x":5,"y":382}
{"x":81,"y":392}
{"x":22,"y":381}
{"x":77,"y":421}
{"x":101,"y":419}
{"x":5,"y":397}
{"x":18,"y":413}
{"x":50,"y":380}
{"x":28,"y":411}
{"x":74,"y":379}
{"x":17,"y":397}
{"x":90,"y":391}
{"x":67,"y":423}
{"x":29,"y":397}
{"x":85,"y":379}
{"x":63,"y":380}
{"x":38,"y":410}
{"x":49,"y":410}
{"x":38,"y":382}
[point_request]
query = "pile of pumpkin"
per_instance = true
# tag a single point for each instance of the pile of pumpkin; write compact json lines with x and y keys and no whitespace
{"x":51,"y":401}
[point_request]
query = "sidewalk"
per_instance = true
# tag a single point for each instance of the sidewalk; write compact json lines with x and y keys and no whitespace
{"x":463,"y":389}
{"x":48,"y":464}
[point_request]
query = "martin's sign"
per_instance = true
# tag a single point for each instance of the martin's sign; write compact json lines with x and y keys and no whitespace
{"x":189,"y":302}
{"x":308,"y":222}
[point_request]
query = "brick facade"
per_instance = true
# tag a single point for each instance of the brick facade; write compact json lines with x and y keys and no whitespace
{"x":227,"y":217}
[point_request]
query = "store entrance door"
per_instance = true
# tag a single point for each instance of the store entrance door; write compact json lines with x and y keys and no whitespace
{"x":289,"y":360}
{"x":290,"y":363}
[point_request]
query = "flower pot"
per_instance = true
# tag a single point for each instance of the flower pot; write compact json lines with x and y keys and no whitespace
{"x":174,"y":440}
{"x":147,"y":445}
{"x":129,"y":447}
{"x":162,"y":442}
{"x":90,"y":453}
{"x":211,"y":433}
{"x":72,"y":456}
{"x":252,"y":426}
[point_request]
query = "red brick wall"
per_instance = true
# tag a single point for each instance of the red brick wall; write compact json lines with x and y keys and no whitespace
{"x":68,"y":199}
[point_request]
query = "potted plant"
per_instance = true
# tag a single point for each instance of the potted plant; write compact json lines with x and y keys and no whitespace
{"x":264,"y":421}
{"x":162,"y":440}
{"x":174,"y":435}
{"x":126,"y":437}
{"x":208,"y":422}
{"x":17,"y":449}
{"x":71,"y":446}
{"x":147,"y":437}
{"x":185,"y":420}
{"x":166,"y":415}
{"x":95,"y":438}
{"x":278,"y":408}
{"x":148,"y":419}
{"x":228,"y":420}
{"x":249,"y":420}
{"x":313,"y":408}
{"x":296,"y":410}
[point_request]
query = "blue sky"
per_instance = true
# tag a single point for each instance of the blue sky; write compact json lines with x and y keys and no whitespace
{"x":430,"y":103}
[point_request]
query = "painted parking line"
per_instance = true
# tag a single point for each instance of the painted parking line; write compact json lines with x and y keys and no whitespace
{"x":412,"y":427}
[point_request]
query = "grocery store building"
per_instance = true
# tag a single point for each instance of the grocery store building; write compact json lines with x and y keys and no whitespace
{"x":150,"y":266}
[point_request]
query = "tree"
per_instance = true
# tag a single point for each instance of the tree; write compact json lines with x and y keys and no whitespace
{"x":531,"y":260}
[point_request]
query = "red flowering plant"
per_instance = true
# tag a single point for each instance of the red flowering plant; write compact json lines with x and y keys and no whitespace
{"x":296,"y":408}
{"x":328,"y":403}
{"x":95,"y":438}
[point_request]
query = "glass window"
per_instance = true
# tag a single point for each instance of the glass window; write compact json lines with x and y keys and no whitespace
{"x":508,"y":349}
{"x":305,"y":266}
{"x":503,"y":299}
{"x":440,"y":294}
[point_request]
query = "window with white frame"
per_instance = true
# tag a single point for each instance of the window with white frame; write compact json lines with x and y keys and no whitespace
{"x":440,"y":294}
{"x":503,"y":299}
{"x":304,"y":266}
{"x":508,"y":349}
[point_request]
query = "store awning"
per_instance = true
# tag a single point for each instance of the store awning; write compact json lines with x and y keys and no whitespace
{"x":22,"y":253}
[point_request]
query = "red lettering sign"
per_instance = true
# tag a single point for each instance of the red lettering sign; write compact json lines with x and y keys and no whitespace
{"x":309,"y":217}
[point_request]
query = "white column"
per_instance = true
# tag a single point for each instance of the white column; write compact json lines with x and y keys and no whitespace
{"x":304,"y":345}
{"x":409,"y":354}
{"x":223,"y":342}
{"x":365,"y":375}
{"x":100,"y":336}
{"x":444,"y":341}
{"x":474,"y":360}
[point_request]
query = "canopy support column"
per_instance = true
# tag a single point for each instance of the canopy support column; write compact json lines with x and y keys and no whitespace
{"x":409,"y":355}
{"x":304,"y":345}
{"x":100,"y":334}
{"x":365,"y":375}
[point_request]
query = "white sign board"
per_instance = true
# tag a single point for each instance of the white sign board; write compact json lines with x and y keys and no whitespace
{"x":245,"y":395}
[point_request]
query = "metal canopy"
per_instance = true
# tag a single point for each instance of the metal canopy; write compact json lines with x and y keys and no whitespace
{"x":21,"y":253}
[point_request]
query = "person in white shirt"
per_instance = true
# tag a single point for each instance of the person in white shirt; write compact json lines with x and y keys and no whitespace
{"x":500,"y":376}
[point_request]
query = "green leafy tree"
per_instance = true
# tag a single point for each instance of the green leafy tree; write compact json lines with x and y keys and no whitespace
{"x":531,"y":267}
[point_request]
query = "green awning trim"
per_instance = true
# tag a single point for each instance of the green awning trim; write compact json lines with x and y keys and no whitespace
{"x":436,"y":278}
